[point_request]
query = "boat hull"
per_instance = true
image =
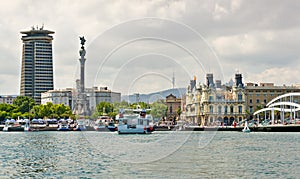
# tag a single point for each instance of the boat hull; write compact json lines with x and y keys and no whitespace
{"x":13,"y":129}
{"x":128,"y":130}
{"x":105,"y":129}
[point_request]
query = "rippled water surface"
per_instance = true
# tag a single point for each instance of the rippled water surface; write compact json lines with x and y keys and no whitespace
{"x":161,"y":154}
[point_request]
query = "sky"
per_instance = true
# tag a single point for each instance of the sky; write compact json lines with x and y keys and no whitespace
{"x":138,"y":46}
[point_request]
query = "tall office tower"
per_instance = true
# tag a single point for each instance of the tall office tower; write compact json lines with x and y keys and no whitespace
{"x":37,"y":63}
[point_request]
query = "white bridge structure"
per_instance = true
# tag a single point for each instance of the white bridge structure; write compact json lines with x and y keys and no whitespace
{"x":284,"y":103}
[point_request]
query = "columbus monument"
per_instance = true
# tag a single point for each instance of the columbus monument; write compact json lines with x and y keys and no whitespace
{"x":81,"y":106}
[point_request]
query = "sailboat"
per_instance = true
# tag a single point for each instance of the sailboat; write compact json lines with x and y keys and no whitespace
{"x":246,"y":128}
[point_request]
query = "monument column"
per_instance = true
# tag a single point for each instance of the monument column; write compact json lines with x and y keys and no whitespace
{"x":81,"y":108}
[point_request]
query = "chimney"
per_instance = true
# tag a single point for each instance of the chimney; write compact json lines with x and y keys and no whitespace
{"x":218,"y":83}
{"x":210,"y":80}
{"x":238,"y":80}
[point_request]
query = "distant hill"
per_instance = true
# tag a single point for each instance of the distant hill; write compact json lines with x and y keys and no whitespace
{"x":152,"y":97}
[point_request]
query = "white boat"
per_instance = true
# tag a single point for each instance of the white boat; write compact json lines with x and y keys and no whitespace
{"x":105,"y":124}
{"x":19,"y":125}
{"x":80,"y":126}
{"x":246,"y":128}
{"x":63,"y":125}
{"x":138,"y":122}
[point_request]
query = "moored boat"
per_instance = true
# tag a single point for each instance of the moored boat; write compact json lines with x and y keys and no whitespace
{"x":19,"y":125}
{"x":105,"y":124}
{"x":63,"y":125}
{"x":136,"y":122}
{"x":80,"y":126}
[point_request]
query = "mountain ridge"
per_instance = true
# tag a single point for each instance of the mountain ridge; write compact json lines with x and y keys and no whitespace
{"x":152,"y":97}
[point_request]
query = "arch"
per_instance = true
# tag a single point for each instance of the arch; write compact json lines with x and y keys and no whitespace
{"x":285,"y":103}
{"x":282,"y":96}
{"x":231,"y":118}
{"x":275,"y":109}
{"x":219,"y":118}
{"x":226,"y":120}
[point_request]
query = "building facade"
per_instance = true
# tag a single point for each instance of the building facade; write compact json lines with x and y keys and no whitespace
{"x":258,"y":95}
{"x":7,"y":99}
{"x":174,"y":104}
{"x":214,"y":104}
{"x":37,"y":63}
{"x":93,"y":97}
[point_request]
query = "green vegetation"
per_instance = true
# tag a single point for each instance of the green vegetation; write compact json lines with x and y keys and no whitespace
{"x":104,"y":109}
{"x":158,"y":110}
{"x":25,"y":107}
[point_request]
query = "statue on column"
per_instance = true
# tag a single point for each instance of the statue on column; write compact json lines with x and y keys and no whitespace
{"x":82,"y":50}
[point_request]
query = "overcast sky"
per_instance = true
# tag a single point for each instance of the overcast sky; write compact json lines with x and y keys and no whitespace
{"x":136,"y":46}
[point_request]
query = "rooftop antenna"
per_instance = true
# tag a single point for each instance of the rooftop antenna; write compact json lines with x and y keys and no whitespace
{"x":173,"y":80}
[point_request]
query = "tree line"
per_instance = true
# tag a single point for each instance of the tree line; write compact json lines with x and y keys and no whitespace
{"x":25,"y":107}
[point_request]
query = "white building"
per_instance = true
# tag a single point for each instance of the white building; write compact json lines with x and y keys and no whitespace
{"x":62,"y":96}
{"x":68,"y":96}
{"x":7,"y":99}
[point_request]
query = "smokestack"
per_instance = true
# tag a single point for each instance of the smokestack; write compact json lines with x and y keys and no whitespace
{"x":238,"y":80}
{"x":218,"y":83}
{"x":193,"y":83}
{"x":210,"y":80}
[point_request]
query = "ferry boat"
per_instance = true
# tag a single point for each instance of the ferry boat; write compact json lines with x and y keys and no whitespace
{"x":105,"y":124}
{"x":136,"y":122}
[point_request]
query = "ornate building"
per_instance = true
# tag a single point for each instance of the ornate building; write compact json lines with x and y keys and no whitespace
{"x":213,"y":103}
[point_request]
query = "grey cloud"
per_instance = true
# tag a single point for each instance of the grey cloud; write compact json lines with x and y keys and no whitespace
{"x":212,"y":19}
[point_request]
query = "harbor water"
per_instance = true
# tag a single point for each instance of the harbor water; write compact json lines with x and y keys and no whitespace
{"x":159,"y":155}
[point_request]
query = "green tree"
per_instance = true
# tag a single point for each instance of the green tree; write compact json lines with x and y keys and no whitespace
{"x":60,"y":111}
{"x":179,"y":111}
{"x":121,"y":105}
{"x":3,"y":115}
{"x":104,"y":108}
{"x":158,"y":110}
{"x":142,"y":105}
{"x":24,"y":103}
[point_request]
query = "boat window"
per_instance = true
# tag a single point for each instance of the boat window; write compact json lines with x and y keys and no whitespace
{"x":140,"y":122}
